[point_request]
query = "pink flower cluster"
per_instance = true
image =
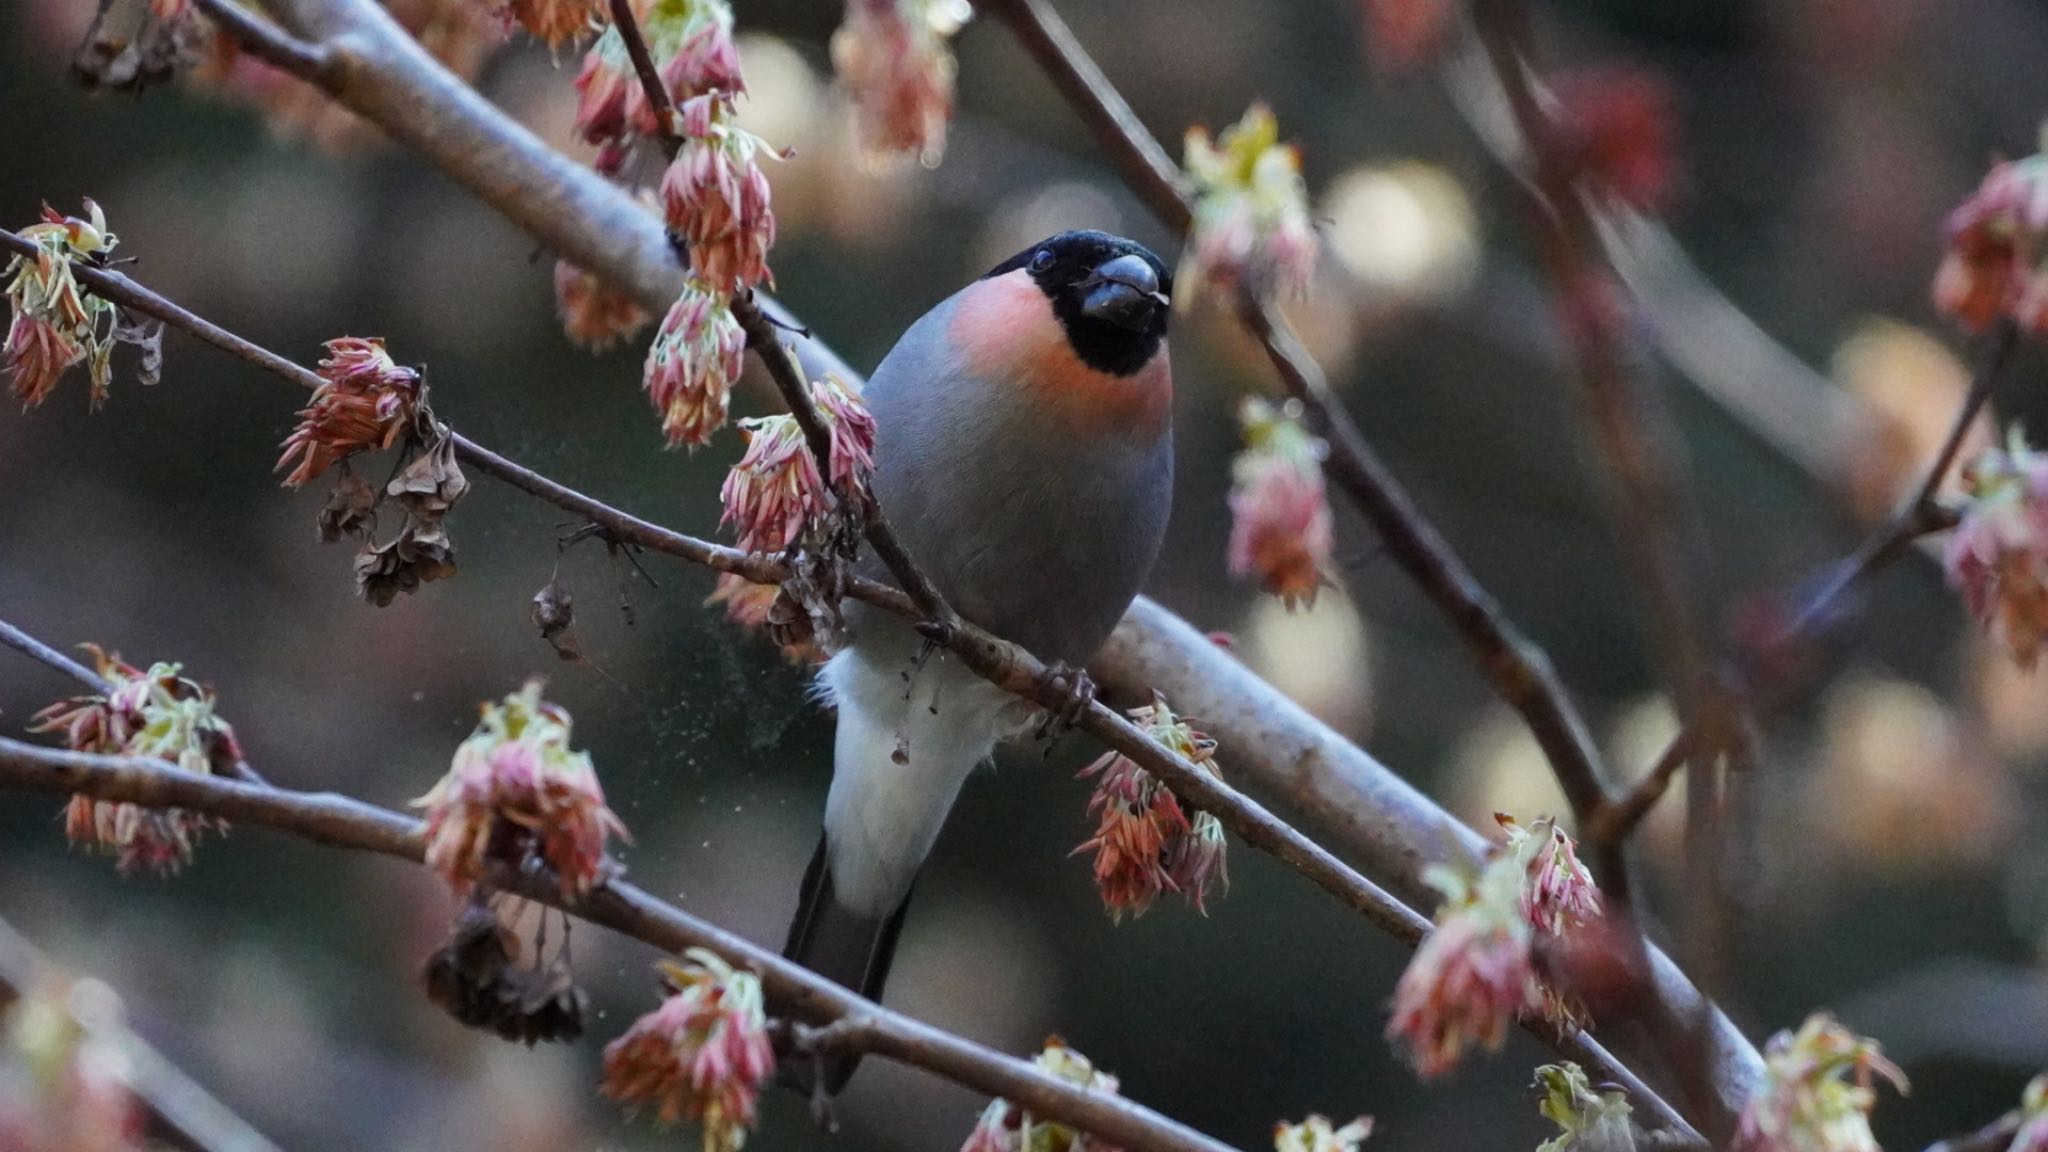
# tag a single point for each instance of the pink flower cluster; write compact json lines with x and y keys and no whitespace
{"x":692,"y":46}
{"x":594,"y":314}
{"x":703,"y":1055}
{"x":366,"y":402}
{"x":1251,"y":230}
{"x":1476,"y":974}
{"x":1144,"y":842}
{"x":155,"y":715}
{"x":1996,"y":250}
{"x":1281,"y":528}
{"x":716,"y":198}
{"x":896,"y":63}
{"x":52,"y":324}
{"x":2033,"y":1133}
{"x":697,"y":354}
{"x":1004,"y":1127}
{"x":1998,"y":554}
{"x":776,"y":492}
{"x":516,"y":793}
{"x":1818,"y":1090}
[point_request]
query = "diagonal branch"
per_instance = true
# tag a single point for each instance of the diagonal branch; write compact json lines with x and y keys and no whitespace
{"x":341,"y":822}
{"x":381,"y":74}
{"x":1001,"y":662}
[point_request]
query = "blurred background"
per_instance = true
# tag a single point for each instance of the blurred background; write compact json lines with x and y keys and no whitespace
{"x":1896,"y":869}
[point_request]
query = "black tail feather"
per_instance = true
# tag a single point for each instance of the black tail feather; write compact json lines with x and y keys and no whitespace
{"x":844,"y":946}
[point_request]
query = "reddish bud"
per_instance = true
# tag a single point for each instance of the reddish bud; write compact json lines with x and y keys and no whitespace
{"x":367,"y":401}
{"x":703,"y":1055}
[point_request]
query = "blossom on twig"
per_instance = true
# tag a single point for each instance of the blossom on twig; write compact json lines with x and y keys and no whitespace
{"x":895,"y":60}
{"x":594,"y":314}
{"x":776,"y":493}
{"x":1476,"y":973}
{"x":1997,"y":557}
{"x":697,"y":354}
{"x":691,"y":44}
{"x":517,"y":793}
{"x":1589,"y":1119}
{"x":1145,"y":843}
{"x":775,"y":489}
{"x":1281,"y":527}
{"x":1994,"y":263}
{"x":1316,"y":1134}
{"x":1817,"y":1092}
{"x":703,"y":1055}
{"x":716,"y":198}
{"x":155,"y":715}
{"x":52,"y":323}
{"x":1004,"y":1127}
{"x":1251,"y":228}
{"x":366,"y":401}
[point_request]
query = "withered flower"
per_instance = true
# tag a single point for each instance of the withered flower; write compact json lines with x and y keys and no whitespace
{"x":419,"y":554}
{"x":474,"y":977}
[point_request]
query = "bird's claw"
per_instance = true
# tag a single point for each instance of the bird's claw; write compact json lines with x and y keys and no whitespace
{"x":1076,"y":691}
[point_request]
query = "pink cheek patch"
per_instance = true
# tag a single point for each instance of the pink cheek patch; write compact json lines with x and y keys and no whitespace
{"x":1007,"y":333}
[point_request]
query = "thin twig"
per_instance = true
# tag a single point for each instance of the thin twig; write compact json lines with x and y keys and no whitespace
{"x":1760,"y":674}
{"x":342,"y":822}
{"x":42,"y":653}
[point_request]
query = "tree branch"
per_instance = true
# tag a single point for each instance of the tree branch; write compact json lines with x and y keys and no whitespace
{"x":56,"y":661}
{"x":266,"y":41}
{"x":341,"y":822}
{"x":382,"y":75}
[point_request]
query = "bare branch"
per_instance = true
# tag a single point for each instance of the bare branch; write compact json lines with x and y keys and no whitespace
{"x":340,"y":822}
{"x":43,"y":654}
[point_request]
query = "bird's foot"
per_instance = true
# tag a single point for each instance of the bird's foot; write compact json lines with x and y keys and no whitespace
{"x":1075,"y":692}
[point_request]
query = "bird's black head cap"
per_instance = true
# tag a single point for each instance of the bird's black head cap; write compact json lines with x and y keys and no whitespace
{"x":1112,"y":296}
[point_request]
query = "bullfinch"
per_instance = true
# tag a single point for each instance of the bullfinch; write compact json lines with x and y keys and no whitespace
{"x":1024,"y":453}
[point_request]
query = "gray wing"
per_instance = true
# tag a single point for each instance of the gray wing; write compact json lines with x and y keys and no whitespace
{"x":1038,"y":534}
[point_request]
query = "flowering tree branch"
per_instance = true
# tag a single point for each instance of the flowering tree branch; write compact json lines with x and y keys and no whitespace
{"x":1003,"y":663}
{"x":377,"y":71}
{"x":341,"y":822}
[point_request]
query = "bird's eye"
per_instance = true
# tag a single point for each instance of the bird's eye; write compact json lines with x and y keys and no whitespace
{"x":1041,"y":260}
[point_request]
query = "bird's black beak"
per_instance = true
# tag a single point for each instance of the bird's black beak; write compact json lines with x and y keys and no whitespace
{"x":1123,"y":291}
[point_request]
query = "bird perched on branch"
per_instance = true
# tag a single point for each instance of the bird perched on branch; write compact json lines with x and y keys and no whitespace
{"x":1024,"y":454}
